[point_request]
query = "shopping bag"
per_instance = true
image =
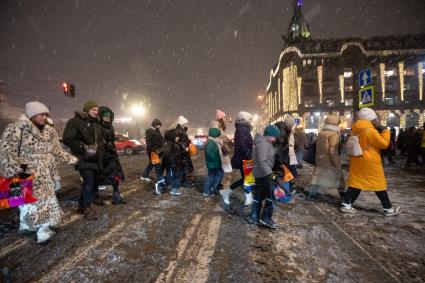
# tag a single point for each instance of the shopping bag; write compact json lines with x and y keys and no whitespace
{"x":192,"y":149}
{"x":155,"y":158}
{"x":281,"y":192}
{"x":287,"y":174}
{"x":16,"y":191}
{"x":352,"y":146}
{"x":249,"y":180}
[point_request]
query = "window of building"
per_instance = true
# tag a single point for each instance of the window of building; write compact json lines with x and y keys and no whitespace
{"x":349,"y":102}
{"x":390,"y":72}
{"x":330,"y":102}
{"x":348,"y":74}
{"x":409,"y":71}
{"x":348,"y":88}
{"x":391,"y":100}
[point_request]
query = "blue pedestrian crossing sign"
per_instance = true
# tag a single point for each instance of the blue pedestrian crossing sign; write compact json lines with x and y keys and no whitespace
{"x":365,"y":77}
{"x":366,"y":97}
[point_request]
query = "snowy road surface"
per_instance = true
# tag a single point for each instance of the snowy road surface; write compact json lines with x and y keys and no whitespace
{"x":195,"y":239}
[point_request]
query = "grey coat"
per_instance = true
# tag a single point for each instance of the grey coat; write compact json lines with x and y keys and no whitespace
{"x":263,"y":157}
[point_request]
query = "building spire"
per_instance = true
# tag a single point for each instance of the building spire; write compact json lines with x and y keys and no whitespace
{"x":298,"y":29}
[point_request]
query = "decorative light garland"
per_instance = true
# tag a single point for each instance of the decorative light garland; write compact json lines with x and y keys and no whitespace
{"x":279,"y":92}
{"x":420,"y":80}
{"x":290,"y":88}
{"x":401,"y":76}
{"x":382,"y":70}
{"x":299,"y":83}
{"x":341,"y":87}
{"x":320,"y":81}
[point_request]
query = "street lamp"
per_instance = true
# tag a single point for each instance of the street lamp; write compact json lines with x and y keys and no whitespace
{"x":137,"y":110}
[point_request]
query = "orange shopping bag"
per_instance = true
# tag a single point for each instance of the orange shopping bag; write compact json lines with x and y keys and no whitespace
{"x":155,"y":158}
{"x":192,"y":149}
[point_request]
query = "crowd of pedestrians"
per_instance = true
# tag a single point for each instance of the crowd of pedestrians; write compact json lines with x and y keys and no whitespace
{"x":32,"y":145}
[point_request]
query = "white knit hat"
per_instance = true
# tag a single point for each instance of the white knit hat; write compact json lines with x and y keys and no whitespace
{"x":367,"y":114}
{"x":245,"y":116}
{"x":182,"y":120}
{"x":34,"y":108}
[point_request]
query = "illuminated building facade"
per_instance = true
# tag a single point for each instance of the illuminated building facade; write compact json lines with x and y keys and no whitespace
{"x":315,"y":78}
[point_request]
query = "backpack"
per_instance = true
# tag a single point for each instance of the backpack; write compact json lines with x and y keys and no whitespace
{"x":352,"y":146}
{"x":310,"y":154}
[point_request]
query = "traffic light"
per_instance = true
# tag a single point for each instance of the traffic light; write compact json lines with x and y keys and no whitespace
{"x":68,"y":89}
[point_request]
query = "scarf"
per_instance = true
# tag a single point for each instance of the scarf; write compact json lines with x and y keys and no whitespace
{"x":330,"y":127}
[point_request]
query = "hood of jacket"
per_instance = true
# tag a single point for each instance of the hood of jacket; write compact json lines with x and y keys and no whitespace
{"x":214,"y":132}
{"x":360,"y":126}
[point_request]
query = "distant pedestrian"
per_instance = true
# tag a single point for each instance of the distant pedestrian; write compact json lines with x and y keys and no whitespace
{"x":413,"y":142}
{"x":173,"y":164}
{"x":154,"y":143}
{"x":112,"y":173}
{"x":213,"y":156}
{"x":225,"y":150}
{"x":83,"y":134}
{"x":366,"y":171}
{"x":263,"y":158}
{"x":242,"y":146}
{"x":289,"y":122}
{"x":300,"y":143}
{"x":184,"y":141}
{"x":328,"y":170}
{"x":402,"y":142}
{"x":390,"y":151}
{"x":29,"y":146}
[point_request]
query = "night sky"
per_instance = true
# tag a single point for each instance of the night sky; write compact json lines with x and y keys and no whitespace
{"x":177,"y":57}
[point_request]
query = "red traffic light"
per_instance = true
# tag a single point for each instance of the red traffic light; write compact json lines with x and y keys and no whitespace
{"x":68,"y":89}
{"x":65,"y":88}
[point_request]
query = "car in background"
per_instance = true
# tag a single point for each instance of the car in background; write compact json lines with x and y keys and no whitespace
{"x":200,"y":141}
{"x":126,"y":145}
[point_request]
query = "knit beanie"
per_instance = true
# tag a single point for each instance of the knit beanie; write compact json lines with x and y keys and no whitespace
{"x":181,"y":120}
{"x":34,"y":108}
{"x":367,"y":114}
{"x":89,"y":105}
{"x":219,"y":114}
{"x":289,"y":121}
{"x":332,"y":120}
{"x":272,"y":131}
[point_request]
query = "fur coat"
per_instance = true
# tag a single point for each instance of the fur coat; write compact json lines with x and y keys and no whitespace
{"x":39,"y":149}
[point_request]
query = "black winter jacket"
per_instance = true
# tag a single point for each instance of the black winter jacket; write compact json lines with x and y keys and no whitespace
{"x":282,"y":147}
{"x":154,"y":140}
{"x":85,"y":130}
{"x":172,"y":157}
{"x":242,"y":144}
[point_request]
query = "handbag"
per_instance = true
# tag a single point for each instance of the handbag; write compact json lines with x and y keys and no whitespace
{"x":17,"y":190}
{"x":90,"y":150}
{"x":155,"y":158}
{"x":192,"y":149}
{"x":352,"y":146}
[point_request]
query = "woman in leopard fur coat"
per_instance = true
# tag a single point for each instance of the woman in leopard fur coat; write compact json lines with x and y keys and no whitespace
{"x":30,"y":141}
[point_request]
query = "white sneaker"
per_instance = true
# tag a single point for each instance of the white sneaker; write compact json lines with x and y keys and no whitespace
{"x":248,"y":199}
{"x":347,"y":208}
{"x":44,"y":234}
{"x":392,"y":211}
{"x":145,"y":179}
{"x":226,"y":195}
{"x":101,"y":188}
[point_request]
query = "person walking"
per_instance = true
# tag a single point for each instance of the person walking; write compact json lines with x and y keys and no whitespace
{"x":112,"y":173}
{"x":29,"y":146}
{"x":366,"y":171}
{"x":413,"y":142}
{"x":83,"y":135}
{"x":263,"y":158}
{"x":213,"y":157}
{"x":173,"y":163}
{"x":300,"y":143}
{"x":328,"y":170}
{"x":184,"y":141}
{"x":154,"y":143}
{"x":242,"y":146}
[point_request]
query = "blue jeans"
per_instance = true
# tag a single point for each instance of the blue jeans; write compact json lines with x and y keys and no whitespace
{"x":214,"y":178}
{"x":150,"y":166}
{"x":299,"y":154}
{"x":172,"y":178}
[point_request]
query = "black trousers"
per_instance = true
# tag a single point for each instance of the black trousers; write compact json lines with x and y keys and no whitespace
{"x":89,"y":187}
{"x":353,"y":193}
{"x":238,"y":183}
{"x":263,"y":189}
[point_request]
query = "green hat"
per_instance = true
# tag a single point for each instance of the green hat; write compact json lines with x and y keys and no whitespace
{"x":272,"y":131}
{"x":89,"y":105}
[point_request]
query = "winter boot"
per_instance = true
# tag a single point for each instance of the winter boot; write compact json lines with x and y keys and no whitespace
{"x":347,"y":208}
{"x":254,"y":218}
{"x":226,"y":195}
{"x":117,"y":198}
{"x":44,"y":234}
{"x":266,"y":218}
{"x":90,"y":213}
{"x":248,"y":199}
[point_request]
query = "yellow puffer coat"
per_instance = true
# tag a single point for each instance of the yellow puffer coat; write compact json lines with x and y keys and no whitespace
{"x":366,"y":172}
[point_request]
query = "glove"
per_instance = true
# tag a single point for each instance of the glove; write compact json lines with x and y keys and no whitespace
{"x":380,"y":128}
{"x":58,"y":186}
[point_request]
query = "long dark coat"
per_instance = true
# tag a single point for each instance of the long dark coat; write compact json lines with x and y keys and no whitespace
{"x":242,"y":144}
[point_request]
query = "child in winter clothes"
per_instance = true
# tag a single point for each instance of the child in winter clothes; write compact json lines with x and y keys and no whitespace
{"x":213,"y":162}
{"x":172,"y":162}
{"x":263,"y":158}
